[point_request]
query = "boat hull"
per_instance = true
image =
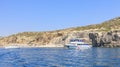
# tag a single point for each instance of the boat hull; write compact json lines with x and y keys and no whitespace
{"x":79,"y":46}
{"x":71,"y":47}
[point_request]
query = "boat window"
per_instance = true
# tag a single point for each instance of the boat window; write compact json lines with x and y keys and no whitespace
{"x":78,"y":40}
{"x":71,"y":40}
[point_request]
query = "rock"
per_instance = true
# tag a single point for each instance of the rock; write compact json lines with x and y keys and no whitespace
{"x":109,"y":39}
{"x":94,"y":38}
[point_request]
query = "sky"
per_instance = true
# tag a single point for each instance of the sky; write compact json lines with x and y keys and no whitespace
{"x":46,"y":15}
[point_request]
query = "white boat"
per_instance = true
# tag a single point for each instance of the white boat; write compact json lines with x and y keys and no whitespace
{"x":77,"y":44}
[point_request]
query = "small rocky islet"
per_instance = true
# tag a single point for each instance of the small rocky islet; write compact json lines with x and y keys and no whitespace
{"x":106,"y":34}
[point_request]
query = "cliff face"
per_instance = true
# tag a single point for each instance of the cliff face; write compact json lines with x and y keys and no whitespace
{"x":109,"y":39}
{"x":61,"y":37}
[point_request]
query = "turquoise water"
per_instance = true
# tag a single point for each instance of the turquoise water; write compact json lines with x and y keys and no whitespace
{"x":60,"y":57}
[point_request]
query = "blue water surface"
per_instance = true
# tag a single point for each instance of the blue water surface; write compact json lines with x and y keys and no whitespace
{"x":59,"y":57}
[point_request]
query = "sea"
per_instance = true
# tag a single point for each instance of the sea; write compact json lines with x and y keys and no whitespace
{"x":60,"y":57}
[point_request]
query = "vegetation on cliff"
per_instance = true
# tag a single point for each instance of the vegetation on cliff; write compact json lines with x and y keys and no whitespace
{"x":105,"y":26}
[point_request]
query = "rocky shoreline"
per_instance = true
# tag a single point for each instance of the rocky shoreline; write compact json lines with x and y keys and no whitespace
{"x":27,"y":46}
{"x":106,"y":34}
{"x":97,"y":39}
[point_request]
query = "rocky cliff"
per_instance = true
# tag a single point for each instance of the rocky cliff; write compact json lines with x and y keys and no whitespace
{"x":56,"y":38}
{"x":105,"y":34}
{"x":108,"y":39}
